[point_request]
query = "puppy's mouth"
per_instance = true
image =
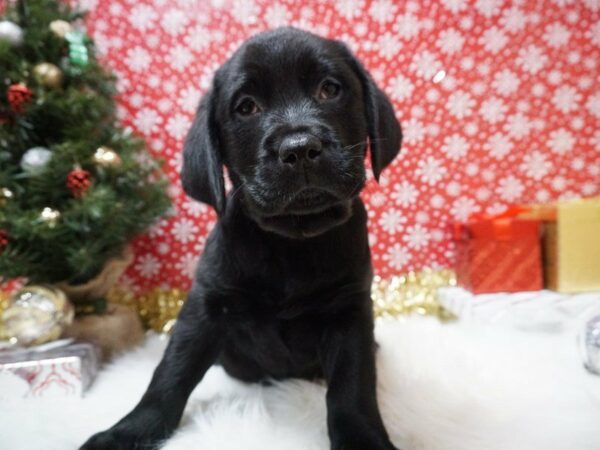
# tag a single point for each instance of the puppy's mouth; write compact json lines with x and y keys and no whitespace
{"x":310,"y":201}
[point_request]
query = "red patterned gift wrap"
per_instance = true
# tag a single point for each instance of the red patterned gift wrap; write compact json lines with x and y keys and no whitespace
{"x":500,"y":253}
{"x":59,"y":369}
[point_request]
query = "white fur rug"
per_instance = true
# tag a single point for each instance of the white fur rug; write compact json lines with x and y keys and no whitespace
{"x":450,"y":386}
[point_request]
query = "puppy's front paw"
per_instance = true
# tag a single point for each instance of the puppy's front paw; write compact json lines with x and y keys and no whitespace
{"x":116,"y":440}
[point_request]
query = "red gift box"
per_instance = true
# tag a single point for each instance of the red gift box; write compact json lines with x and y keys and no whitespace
{"x":499,"y":253}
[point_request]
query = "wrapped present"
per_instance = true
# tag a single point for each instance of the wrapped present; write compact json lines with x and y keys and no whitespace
{"x":571,"y":243}
{"x":57,"y":369}
{"x":499,"y":253}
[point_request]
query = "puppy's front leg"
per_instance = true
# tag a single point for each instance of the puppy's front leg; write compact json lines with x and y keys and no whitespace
{"x":193,"y":348}
{"x":347,"y":353}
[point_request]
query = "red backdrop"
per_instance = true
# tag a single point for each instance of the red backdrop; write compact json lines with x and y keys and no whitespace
{"x":499,"y":103}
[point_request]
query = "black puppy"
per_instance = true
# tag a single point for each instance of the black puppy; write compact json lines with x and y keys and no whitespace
{"x":283,"y":287}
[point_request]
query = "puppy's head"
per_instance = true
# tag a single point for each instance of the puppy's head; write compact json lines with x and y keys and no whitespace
{"x":290,"y":115}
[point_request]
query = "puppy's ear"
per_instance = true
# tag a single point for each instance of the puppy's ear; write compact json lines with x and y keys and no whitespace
{"x":202,"y":171}
{"x":385,"y":135}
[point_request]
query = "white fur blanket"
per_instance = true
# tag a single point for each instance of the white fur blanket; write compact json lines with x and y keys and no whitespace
{"x":450,"y":386}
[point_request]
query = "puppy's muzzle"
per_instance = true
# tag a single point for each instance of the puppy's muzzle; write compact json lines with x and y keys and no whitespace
{"x":299,"y":149}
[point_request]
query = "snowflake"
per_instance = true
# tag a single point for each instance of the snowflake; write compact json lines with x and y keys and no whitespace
{"x":408,"y":26}
{"x":453,"y":189}
{"x":178,"y":125}
{"x":417,"y":237}
{"x":194,"y":208}
{"x":245,"y":11}
{"x":510,"y":189}
{"x":392,"y":221}
{"x":455,"y":146}
{"x":498,"y":145}
{"x":518,"y":125}
{"x":174,"y":21}
{"x":459,"y":104}
{"x":277,"y":15}
{"x":463,"y":208}
{"x":397,"y":257}
{"x":146,"y":120}
{"x":561,"y":141}
{"x":187,"y":264}
{"x":488,"y":8}
{"x":388,"y":45}
{"x":454,"y":5}
{"x":138,"y":59}
{"x":189,"y":99}
{"x":531,"y":59}
{"x":413,"y":131}
{"x":566,"y":99}
{"x":383,"y":10}
{"x":513,"y":20}
{"x":180,"y":57}
{"x":142,"y":17}
{"x":425,"y":64}
{"x":430,"y":170}
{"x":199,"y":38}
{"x":505,"y":82}
{"x":184,"y":230}
{"x":535,"y":165}
{"x":594,"y":33}
{"x":593,"y":104}
{"x":556,"y":35}
{"x":493,"y":110}
{"x":400,"y":88}
{"x":493,"y":39}
{"x":450,"y":41}
{"x":350,"y":9}
{"x":405,"y":194}
{"x":148,"y":265}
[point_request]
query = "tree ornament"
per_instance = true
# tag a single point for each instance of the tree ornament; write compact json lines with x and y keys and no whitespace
{"x":3,"y":240}
{"x":5,"y":195}
{"x":48,"y":74}
{"x":79,"y":181}
{"x":18,"y":95}
{"x":78,"y":52}
{"x":37,"y":314}
{"x":35,"y":160}
{"x":50,"y":216}
{"x":60,"y":28}
{"x":107,"y":157}
{"x":11,"y":32}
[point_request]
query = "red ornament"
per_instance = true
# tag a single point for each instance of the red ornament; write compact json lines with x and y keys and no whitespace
{"x":3,"y":239}
{"x":18,"y":95}
{"x":78,"y":181}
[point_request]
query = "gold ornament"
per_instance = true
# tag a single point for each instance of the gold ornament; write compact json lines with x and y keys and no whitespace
{"x":60,"y":28}
{"x":36,"y":314}
{"x":48,"y":75}
{"x":5,"y":195}
{"x":107,"y":157}
{"x":50,"y":216}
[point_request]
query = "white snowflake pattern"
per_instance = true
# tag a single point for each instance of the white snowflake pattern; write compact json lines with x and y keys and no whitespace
{"x":505,"y":82}
{"x":430,"y":170}
{"x":174,"y":21}
{"x":388,"y":45}
{"x":425,"y":64}
{"x":392,"y":221}
{"x":413,"y":130}
{"x":138,"y":59}
{"x":493,"y":39}
{"x":147,"y":120}
{"x":277,"y":15}
{"x":245,"y":11}
{"x":463,"y":208}
{"x":535,"y":165}
{"x":556,"y":35}
{"x":450,"y":41}
{"x":383,"y":10}
{"x":187,"y":264}
{"x":455,"y":146}
{"x":498,"y":145}
{"x":454,"y":5}
{"x":350,"y":9}
{"x":401,"y":88}
{"x":178,"y":126}
{"x":147,"y":265}
{"x":513,"y":20}
{"x":493,"y":110}
{"x":518,"y":125}
{"x":531,"y":59}
{"x":593,"y":105}
{"x":561,"y":141}
{"x":488,"y":8}
{"x":460,"y":104}
{"x":405,"y":194}
{"x":510,"y":189}
{"x":566,"y":99}
{"x":417,"y":237}
{"x":397,"y":256}
{"x":189,"y":99}
{"x":184,"y":230}
{"x":408,"y":26}
{"x":180,"y":57}
{"x":142,"y":17}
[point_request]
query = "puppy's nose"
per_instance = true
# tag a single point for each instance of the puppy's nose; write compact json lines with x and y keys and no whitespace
{"x":300,"y":146}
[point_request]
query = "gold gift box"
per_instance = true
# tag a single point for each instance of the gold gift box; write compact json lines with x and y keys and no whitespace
{"x":571,"y":244}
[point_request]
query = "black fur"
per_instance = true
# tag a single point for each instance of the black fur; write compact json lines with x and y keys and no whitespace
{"x":283,"y":287}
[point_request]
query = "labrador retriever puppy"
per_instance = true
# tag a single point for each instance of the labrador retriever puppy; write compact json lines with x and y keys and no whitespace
{"x":283,"y":286}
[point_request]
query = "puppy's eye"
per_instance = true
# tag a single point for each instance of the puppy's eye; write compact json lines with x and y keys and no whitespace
{"x":247,"y":107}
{"x":329,"y":89}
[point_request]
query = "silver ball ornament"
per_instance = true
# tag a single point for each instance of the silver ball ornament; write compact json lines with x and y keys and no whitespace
{"x":11,"y":32}
{"x":35,"y":160}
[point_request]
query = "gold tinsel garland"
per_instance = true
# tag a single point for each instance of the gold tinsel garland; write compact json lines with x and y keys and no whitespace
{"x":410,"y":293}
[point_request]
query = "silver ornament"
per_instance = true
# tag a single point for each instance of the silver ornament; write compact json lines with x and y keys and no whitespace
{"x":35,"y":160}
{"x":11,"y":32}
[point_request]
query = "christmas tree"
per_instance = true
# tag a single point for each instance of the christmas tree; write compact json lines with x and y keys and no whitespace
{"x":75,"y":188}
